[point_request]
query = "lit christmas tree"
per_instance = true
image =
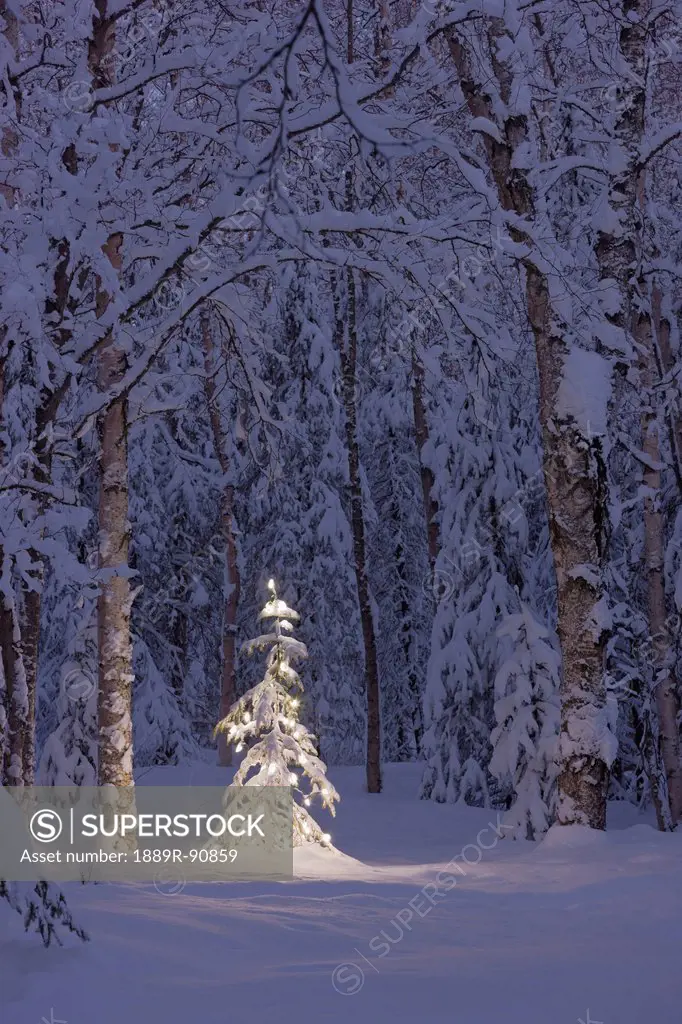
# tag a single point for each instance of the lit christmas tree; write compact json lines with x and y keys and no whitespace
{"x":268,"y":714}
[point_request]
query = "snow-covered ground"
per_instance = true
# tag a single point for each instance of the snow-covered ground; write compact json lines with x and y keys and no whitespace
{"x":580,"y":927}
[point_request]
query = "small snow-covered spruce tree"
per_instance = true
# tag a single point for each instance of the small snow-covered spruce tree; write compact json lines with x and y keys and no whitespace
{"x":268,"y":714}
{"x":525,"y":739}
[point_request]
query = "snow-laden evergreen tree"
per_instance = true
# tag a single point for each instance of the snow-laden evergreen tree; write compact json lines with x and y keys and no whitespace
{"x":525,"y":739}
{"x":69,"y":754}
{"x":174,"y":523}
{"x":162,"y":734}
{"x":266,"y":717}
{"x":398,"y":553}
{"x":478,"y":472}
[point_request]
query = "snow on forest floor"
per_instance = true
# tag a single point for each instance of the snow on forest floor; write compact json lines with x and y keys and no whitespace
{"x":580,"y":927}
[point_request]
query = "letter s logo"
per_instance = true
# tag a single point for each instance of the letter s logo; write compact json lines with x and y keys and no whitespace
{"x":46,"y":826}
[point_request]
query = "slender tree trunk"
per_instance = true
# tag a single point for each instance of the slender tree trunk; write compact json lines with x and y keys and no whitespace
{"x":412,"y":745}
{"x":45,"y":415}
{"x":661,"y":326}
{"x":665,"y":683}
{"x":573,"y":465}
{"x":179,"y":637}
{"x":349,"y":371}
{"x":56,"y":304}
{"x":421,"y":433}
{"x":664,"y":746}
{"x":650,"y":745}
{"x":32,"y":597}
{"x":16,"y":694}
{"x":8,"y":135}
{"x":228,"y":689}
{"x":31,"y":645}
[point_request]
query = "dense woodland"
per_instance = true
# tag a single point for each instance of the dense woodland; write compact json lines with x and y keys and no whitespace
{"x":382,"y":301}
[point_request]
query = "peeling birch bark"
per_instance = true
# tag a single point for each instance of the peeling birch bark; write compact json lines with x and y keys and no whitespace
{"x":618,"y":254}
{"x":573,"y":467}
{"x":115,"y":671}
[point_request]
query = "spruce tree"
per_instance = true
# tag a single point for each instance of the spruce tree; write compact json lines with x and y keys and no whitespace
{"x":525,"y":738}
{"x":268,"y":714}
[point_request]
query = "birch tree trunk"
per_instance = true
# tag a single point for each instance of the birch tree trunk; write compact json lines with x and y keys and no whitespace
{"x":573,"y":461}
{"x":115,"y":671}
{"x":619,"y":253}
{"x":228,"y":688}
{"x":661,"y":326}
{"x":115,"y":676}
